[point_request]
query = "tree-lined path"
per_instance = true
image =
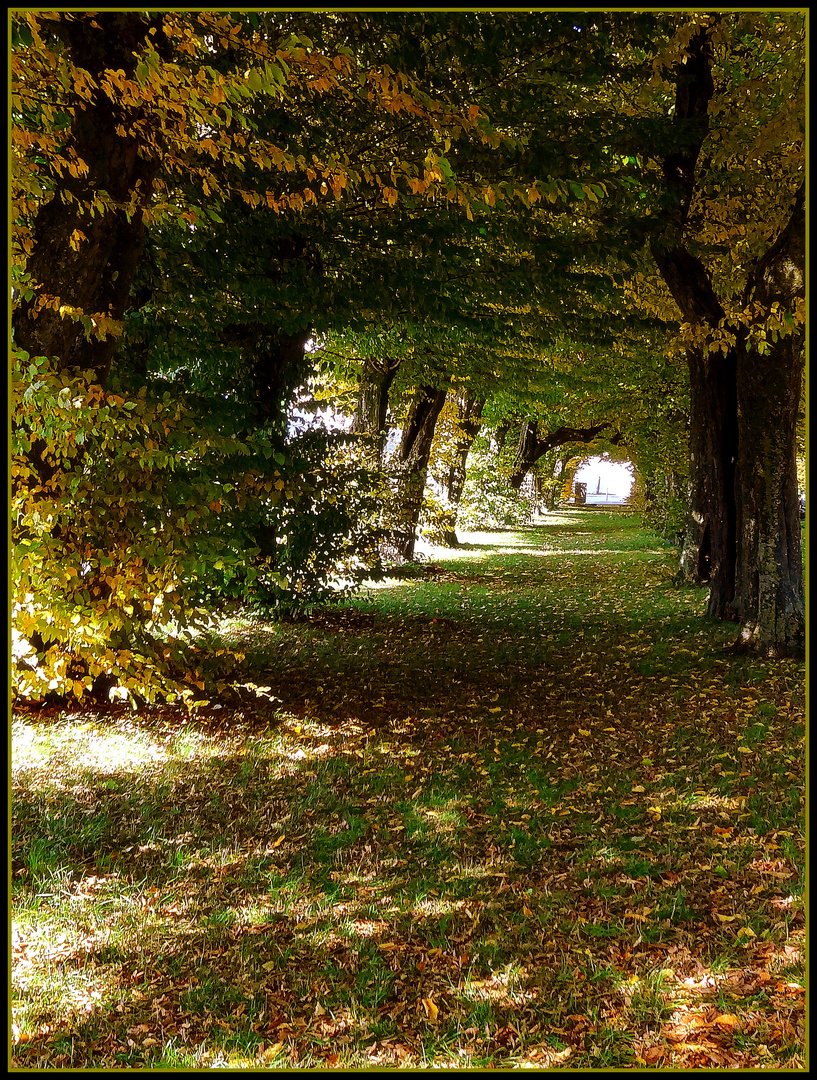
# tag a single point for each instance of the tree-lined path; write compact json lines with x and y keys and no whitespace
{"x":562,"y":233}
{"x":515,"y":806}
{"x":341,"y":735}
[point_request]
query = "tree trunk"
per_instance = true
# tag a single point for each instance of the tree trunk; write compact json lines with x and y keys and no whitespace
{"x":769,"y":596}
{"x":468,"y":422}
{"x":708,"y":553}
{"x":372,"y":405}
{"x":92,"y":275}
{"x":531,"y":448}
{"x":499,"y":435}
{"x":709,"y":548}
{"x":414,"y":453}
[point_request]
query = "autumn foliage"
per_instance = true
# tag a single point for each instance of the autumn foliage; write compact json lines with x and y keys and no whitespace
{"x":215,"y":215}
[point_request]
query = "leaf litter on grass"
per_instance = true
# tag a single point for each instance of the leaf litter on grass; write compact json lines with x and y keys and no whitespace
{"x":469,"y":820}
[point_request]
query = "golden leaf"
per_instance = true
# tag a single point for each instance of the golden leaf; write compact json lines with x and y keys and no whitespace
{"x":431,"y":1009}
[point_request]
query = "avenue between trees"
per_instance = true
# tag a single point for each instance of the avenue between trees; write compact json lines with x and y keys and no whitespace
{"x":290,"y":286}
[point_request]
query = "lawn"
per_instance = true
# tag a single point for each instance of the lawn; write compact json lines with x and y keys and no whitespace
{"x":515,"y":806}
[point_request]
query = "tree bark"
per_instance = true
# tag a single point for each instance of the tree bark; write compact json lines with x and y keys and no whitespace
{"x":468,"y":422}
{"x":709,"y":550}
{"x":94,"y":275}
{"x":769,"y":599}
{"x":372,"y":405}
{"x":500,"y":435}
{"x":414,"y":453}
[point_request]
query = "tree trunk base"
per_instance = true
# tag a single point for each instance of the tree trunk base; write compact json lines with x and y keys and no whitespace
{"x":750,"y":642}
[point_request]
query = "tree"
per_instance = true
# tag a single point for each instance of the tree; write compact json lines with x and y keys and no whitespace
{"x":769,"y":600}
{"x":450,"y":462}
{"x":743,"y":526}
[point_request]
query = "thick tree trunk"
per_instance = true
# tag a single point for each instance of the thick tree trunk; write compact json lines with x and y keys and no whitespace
{"x":708,"y":552}
{"x":468,"y":421}
{"x":278,"y":369}
{"x":769,"y":600}
{"x":769,"y":596}
{"x":414,"y":453}
{"x":92,"y":275}
{"x":743,"y":530}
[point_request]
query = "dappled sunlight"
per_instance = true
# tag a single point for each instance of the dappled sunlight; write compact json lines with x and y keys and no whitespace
{"x":409,"y":840}
{"x":66,"y":751}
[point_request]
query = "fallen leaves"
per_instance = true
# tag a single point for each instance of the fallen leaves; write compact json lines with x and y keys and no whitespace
{"x":455,"y":842}
{"x":431,"y":1010}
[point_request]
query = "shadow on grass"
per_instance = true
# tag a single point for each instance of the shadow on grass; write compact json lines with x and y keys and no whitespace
{"x":555,"y":835}
{"x":315,"y":884}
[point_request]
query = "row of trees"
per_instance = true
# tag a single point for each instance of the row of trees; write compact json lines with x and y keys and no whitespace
{"x":578,"y":231}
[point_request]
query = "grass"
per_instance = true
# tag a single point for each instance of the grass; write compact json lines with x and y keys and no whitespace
{"x":513,"y":807}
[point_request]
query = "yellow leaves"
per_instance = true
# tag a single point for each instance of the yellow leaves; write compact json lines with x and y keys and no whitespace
{"x":639,"y":916}
{"x":77,"y":168}
{"x":114,"y":83}
{"x":431,"y":1010}
{"x":82,"y":83}
{"x":728,"y":1021}
{"x":390,"y":195}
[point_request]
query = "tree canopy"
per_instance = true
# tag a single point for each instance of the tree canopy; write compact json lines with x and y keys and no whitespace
{"x":586,"y":225}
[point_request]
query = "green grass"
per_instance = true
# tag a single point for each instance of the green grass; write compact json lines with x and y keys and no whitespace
{"x":513,"y":807}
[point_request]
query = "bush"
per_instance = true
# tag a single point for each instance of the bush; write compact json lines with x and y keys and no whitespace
{"x":132,"y":511}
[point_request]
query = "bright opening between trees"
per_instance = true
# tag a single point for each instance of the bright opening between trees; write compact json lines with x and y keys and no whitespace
{"x":607,"y":481}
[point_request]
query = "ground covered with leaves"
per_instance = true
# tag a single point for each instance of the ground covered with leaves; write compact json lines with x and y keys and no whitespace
{"x":517,"y":806}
